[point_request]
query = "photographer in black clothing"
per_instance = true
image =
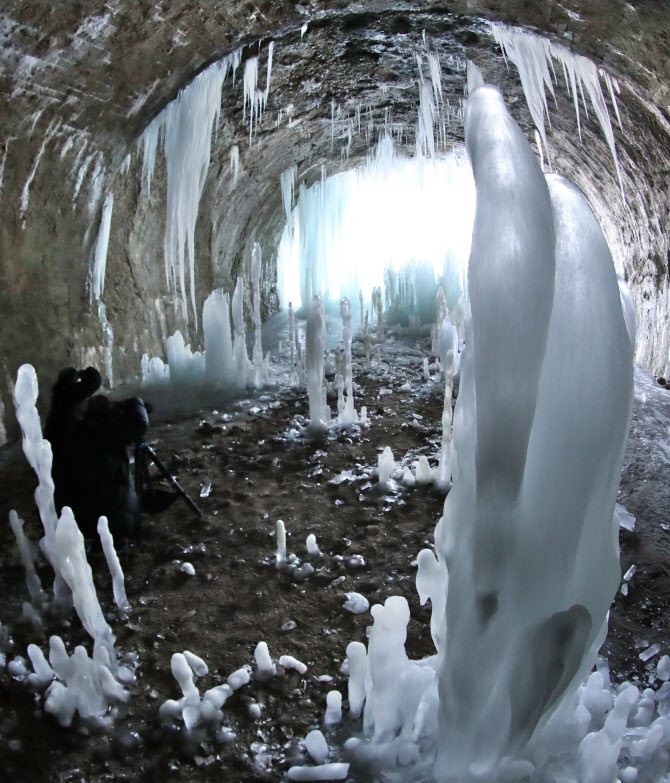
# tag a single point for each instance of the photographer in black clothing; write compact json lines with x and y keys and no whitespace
{"x":69,"y":403}
{"x":89,"y":439}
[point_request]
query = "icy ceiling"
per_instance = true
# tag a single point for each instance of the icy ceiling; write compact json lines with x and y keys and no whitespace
{"x":80,"y":82}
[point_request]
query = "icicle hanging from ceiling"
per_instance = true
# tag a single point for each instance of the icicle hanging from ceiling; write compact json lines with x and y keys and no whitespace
{"x":184,"y":128}
{"x":534,"y":56}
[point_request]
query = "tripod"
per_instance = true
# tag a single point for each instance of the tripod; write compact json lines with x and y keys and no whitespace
{"x":143,"y":453}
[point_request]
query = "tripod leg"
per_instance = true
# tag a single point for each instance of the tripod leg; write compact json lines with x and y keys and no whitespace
{"x":166,"y":474}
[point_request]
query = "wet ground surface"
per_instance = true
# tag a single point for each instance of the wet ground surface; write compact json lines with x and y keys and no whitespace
{"x":262,"y":468}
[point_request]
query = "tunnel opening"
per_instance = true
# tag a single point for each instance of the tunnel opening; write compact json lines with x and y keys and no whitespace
{"x":400,"y":223}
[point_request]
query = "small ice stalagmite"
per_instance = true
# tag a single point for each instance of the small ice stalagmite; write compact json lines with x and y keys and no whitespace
{"x":385,"y":466}
{"x":37,"y":594}
{"x":447,"y":341}
{"x":83,"y":685}
{"x":280,"y":554}
{"x":257,"y":356}
{"x":394,"y":684}
{"x":431,"y":583}
{"x":118,"y":586}
{"x":423,"y":473}
{"x":445,"y":467}
{"x":349,"y":414}
{"x":190,"y":704}
{"x":358,"y":663}
{"x":315,"y":346}
{"x":316,"y":746}
{"x":339,"y":383}
{"x":312,"y":546}
{"x":333,"y":708}
{"x":289,"y":662}
{"x":378,"y":305}
{"x":442,"y":312}
{"x":198,"y":666}
{"x":265,"y":668}
{"x":44,"y":674}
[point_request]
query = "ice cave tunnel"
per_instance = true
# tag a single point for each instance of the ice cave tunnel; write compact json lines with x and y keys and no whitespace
{"x":362,"y":260}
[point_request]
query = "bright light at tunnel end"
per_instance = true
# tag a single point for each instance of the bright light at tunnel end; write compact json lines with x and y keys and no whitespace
{"x":395,"y":213}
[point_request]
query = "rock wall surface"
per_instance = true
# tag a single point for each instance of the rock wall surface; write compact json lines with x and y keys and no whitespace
{"x":79,"y":82}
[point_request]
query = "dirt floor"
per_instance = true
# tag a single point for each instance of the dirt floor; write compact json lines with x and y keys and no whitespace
{"x":261,"y":469}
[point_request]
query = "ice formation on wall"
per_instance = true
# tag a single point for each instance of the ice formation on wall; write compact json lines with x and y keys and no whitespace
{"x":287,"y":181}
{"x":185,"y":128}
{"x":434,"y":112}
{"x":108,"y":337}
{"x":97,"y":285}
{"x":100,"y":252}
{"x":25,"y":193}
{"x":531,"y":569}
{"x":224,"y":365}
{"x":234,"y":162}
{"x":629,"y":311}
{"x":255,"y":98}
{"x":533,"y":55}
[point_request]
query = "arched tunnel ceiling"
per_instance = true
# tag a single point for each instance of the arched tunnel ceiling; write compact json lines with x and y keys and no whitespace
{"x":81,"y":80}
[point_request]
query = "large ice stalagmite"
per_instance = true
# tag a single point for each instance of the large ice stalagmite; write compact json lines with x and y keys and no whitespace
{"x":578,"y":441}
{"x":240,"y":344}
{"x":220,"y":367}
{"x":527,"y":533}
{"x":258,"y":346}
{"x":349,"y":415}
{"x":39,"y":455}
{"x":315,"y":346}
{"x":71,"y":553}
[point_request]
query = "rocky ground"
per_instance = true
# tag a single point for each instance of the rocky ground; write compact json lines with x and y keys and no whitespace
{"x":262,"y":468}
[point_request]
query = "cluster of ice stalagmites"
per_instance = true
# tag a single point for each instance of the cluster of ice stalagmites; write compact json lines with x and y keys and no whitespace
{"x":526,"y":557}
{"x":205,"y":713}
{"x":314,"y":369}
{"x":224,"y":364}
{"x":71,"y":683}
